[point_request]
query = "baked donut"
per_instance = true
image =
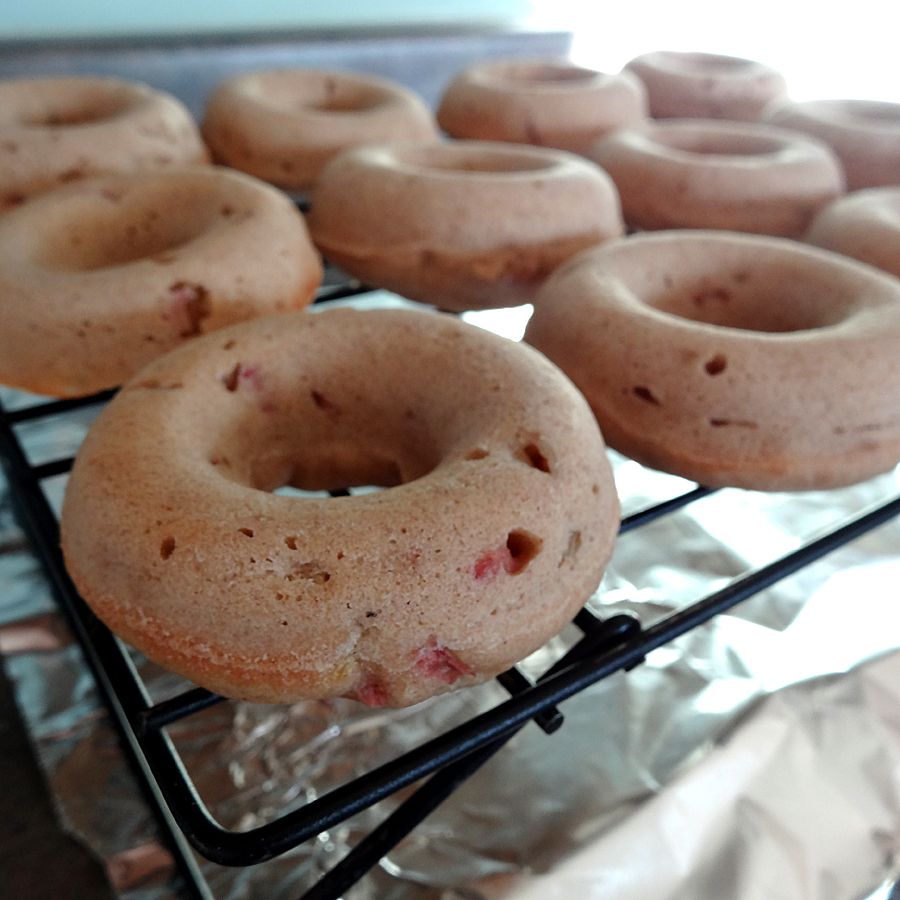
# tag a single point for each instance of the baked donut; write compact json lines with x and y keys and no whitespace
{"x":462,"y":225}
{"x":706,"y":85}
{"x":865,"y":134}
{"x":712,"y":174}
{"x":284,"y":125}
{"x":731,"y":359}
{"x":552,"y":103}
{"x":501,"y":520}
{"x":864,"y":225}
{"x":99,"y":277}
{"x":57,"y":130}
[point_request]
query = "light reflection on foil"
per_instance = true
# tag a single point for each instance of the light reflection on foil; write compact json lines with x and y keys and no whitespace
{"x":652,"y":773}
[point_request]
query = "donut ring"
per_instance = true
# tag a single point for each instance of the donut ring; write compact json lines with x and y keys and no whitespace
{"x":706,"y":85}
{"x":57,"y":130}
{"x":283,"y":126}
{"x":732,"y":359}
{"x":865,"y":134}
{"x":500,"y":526}
{"x":551,"y":103}
{"x":730,"y":175}
{"x":472,"y":224}
{"x":99,"y":277}
{"x":864,"y":225}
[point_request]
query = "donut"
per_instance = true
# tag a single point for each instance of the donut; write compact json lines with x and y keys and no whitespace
{"x":864,"y":225}
{"x":552,"y":103}
{"x":711,"y":174}
{"x":57,"y":130}
{"x":706,"y":85}
{"x":470,"y":224}
{"x":99,"y":277}
{"x":731,"y":359}
{"x":865,"y":134}
{"x":284,"y":125}
{"x":501,"y":515}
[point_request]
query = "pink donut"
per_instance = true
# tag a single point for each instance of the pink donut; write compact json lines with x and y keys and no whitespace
{"x":706,"y":85}
{"x":864,"y":225}
{"x":731,"y":359}
{"x":742,"y":176}
{"x":865,"y":134}
{"x":551,"y":103}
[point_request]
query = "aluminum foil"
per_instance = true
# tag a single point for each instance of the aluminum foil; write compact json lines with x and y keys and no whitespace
{"x":758,"y":756}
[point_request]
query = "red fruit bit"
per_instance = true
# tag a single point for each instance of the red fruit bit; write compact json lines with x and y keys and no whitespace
{"x":253,"y":376}
{"x":372,"y":693}
{"x":434,"y":661}
{"x":191,"y":305}
{"x":492,"y":562}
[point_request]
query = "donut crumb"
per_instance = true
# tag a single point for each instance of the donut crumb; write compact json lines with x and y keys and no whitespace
{"x":228,"y":345}
{"x":535,"y":458}
{"x":523,"y":547}
{"x":291,"y":542}
{"x":310,"y":571}
{"x":716,"y":365}
{"x":645,"y":394}
{"x":478,"y":453}
{"x":246,"y":531}
{"x":323,"y":403}
{"x":167,"y":547}
{"x":231,"y":379}
{"x":738,"y":423}
{"x":572,"y":547}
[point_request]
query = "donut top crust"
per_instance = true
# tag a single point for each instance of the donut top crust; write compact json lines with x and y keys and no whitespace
{"x":57,"y":130}
{"x":284,"y":125}
{"x":549,"y":102}
{"x":468,"y":196}
{"x":488,"y":444}
{"x":706,"y":85}
{"x":864,"y":225}
{"x":732,"y":359}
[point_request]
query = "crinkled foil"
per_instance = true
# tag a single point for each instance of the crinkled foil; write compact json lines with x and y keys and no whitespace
{"x":756,"y":757}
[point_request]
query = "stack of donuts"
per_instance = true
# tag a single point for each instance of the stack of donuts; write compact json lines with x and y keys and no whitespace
{"x":745,"y":332}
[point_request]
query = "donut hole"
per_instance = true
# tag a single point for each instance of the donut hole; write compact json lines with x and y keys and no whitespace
{"x":541,"y":73}
{"x":80,"y":107}
{"x":293,"y":92}
{"x":347,"y":99}
{"x":84,"y":237}
{"x":790,"y":307}
{"x":705,"y":141}
{"x":285,"y":454}
{"x":348,"y":467}
{"x":473,"y":160}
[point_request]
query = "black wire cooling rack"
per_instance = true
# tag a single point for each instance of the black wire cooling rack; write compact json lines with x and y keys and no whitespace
{"x":606,"y":646}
